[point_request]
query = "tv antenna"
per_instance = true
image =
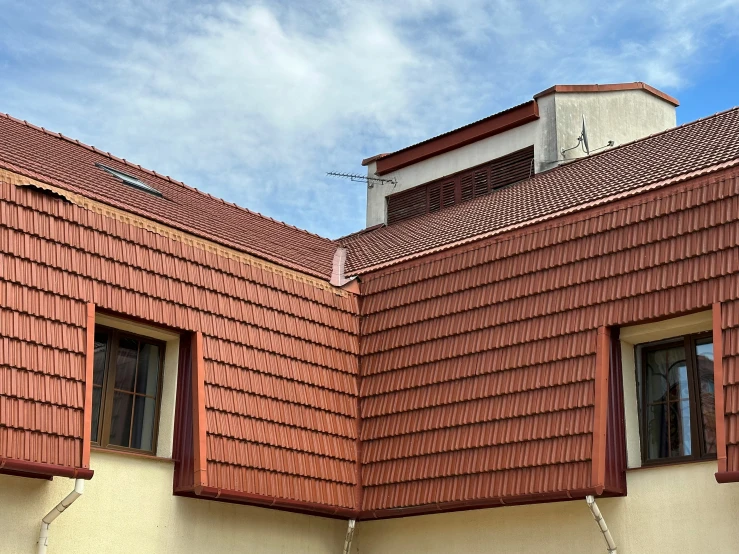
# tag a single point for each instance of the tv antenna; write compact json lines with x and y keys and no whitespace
{"x":582,"y":142}
{"x":370,"y":181}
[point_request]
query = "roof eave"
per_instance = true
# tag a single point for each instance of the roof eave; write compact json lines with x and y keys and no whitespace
{"x":493,"y":125}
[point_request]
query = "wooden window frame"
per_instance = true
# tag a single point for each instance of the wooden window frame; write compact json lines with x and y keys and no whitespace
{"x":697,"y":438}
{"x":108,"y":390}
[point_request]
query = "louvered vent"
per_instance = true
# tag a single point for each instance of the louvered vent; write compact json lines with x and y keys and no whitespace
{"x":462,"y":186}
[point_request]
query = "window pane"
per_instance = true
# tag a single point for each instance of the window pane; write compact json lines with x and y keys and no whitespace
{"x":656,"y":382}
{"x":680,"y":439}
{"x":125,"y":367}
{"x":101,"y":351}
{"x":677,"y":373}
{"x":704,"y":365}
{"x":143,"y":423}
{"x":667,"y":400}
{"x":120,"y":420}
{"x":657,"y":432}
{"x":146,"y":381}
{"x":96,"y":394}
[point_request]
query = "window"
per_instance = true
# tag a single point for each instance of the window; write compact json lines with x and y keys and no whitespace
{"x":678,"y":421}
{"x":130,"y":180}
{"x":127,"y":379}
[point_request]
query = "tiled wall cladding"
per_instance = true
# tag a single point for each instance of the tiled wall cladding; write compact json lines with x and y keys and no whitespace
{"x":280,"y":354}
{"x":475,"y":375}
{"x":478,"y":364}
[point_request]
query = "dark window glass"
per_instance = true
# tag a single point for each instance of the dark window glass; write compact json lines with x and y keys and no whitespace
{"x":677,"y":404}
{"x":126,"y":381}
{"x":98,"y":377}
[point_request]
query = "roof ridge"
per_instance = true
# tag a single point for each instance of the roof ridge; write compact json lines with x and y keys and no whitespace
{"x":127,"y":163}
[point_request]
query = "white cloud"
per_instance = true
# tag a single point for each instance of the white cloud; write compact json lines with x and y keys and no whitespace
{"x":255,"y":102}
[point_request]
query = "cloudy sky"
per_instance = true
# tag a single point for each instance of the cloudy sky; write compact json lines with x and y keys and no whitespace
{"x":256,"y":101}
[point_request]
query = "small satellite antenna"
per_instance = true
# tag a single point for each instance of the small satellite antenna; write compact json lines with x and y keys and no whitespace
{"x":582,"y":142}
{"x":370,"y":181}
{"x":584,"y":136}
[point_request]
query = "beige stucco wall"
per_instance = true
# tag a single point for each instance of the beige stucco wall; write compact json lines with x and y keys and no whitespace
{"x":620,"y":116}
{"x":668,"y":509}
{"x":128,"y":507}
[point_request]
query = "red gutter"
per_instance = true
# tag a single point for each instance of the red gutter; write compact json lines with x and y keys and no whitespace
{"x":445,"y":507}
{"x":312,"y":508}
{"x":45,"y":470}
{"x":299,"y":506}
{"x":727,"y":476}
{"x":468,"y":134}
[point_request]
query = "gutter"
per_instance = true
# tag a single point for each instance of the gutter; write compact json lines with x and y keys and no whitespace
{"x":299,"y":506}
{"x":727,"y":476}
{"x":45,"y":470}
{"x":540,"y":498}
{"x":335,"y":512}
{"x":43,"y":537}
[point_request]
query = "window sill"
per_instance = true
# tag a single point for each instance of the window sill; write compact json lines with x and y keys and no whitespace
{"x":126,"y":453}
{"x":671,"y":464}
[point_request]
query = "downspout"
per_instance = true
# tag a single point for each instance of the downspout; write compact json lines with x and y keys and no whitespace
{"x":43,"y":538}
{"x":349,"y":536}
{"x":610,"y":545}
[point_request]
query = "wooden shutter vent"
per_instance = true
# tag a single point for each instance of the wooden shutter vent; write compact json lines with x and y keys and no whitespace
{"x":462,"y":186}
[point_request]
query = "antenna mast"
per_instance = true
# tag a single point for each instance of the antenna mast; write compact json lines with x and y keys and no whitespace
{"x":370,"y":181}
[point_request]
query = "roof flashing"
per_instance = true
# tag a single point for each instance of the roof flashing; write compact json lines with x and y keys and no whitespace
{"x":615,"y":87}
{"x":129,"y":180}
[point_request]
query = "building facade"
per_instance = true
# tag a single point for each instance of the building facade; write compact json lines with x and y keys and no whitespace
{"x":458,"y":380}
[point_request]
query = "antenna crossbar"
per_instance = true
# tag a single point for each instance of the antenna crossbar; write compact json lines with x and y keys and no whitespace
{"x":371,"y":181}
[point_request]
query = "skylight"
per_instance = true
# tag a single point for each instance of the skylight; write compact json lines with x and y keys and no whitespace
{"x":130,"y":180}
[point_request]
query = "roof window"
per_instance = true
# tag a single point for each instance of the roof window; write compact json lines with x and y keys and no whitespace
{"x":130,"y":180}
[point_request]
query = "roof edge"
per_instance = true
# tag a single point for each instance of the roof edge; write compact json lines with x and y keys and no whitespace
{"x":16,"y":176}
{"x":367,"y":161}
{"x":462,"y":136}
{"x":614,"y":87}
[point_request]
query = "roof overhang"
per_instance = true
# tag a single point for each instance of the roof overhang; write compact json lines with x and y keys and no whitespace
{"x":493,"y":125}
{"x":616,"y":87}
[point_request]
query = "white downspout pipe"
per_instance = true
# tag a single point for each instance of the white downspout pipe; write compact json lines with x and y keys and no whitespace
{"x":349,"y":536}
{"x":610,"y":545}
{"x":43,"y":537}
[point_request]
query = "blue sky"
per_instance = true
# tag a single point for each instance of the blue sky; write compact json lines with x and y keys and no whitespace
{"x":255,"y":101}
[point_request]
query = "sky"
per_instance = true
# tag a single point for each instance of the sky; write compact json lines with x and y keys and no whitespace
{"x":255,"y":101}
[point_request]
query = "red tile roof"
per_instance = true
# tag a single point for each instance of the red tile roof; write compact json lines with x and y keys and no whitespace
{"x":678,"y":153}
{"x":45,"y":155}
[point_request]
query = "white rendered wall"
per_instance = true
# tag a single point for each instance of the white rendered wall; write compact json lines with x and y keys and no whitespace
{"x":620,"y":116}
